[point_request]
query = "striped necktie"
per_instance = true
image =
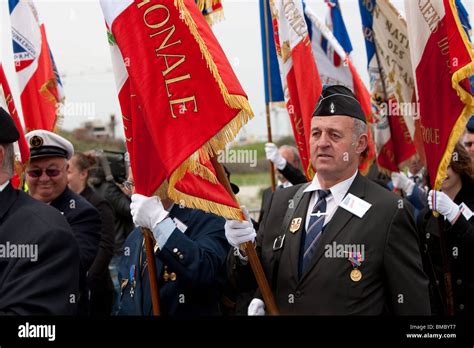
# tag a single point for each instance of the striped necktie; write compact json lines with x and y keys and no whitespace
{"x":316,"y":223}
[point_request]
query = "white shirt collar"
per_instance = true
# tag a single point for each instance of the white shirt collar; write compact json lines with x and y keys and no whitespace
{"x":2,"y":187}
{"x":284,"y":184}
{"x":338,"y":191}
{"x":419,"y":174}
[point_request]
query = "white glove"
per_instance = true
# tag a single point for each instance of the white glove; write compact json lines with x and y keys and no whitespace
{"x":238,"y":232}
{"x":401,"y":181}
{"x":256,"y":307}
{"x":147,"y":211}
{"x":271,"y":151}
{"x":440,"y":202}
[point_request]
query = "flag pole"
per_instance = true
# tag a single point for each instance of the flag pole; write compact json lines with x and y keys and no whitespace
{"x":269,"y":84}
{"x":448,"y":286}
{"x":150,"y":259}
{"x":249,"y":247}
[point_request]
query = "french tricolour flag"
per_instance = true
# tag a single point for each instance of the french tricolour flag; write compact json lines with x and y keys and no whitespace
{"x":331,"y":72}
{"x":299,"y":73}
{"x":38,"y":78}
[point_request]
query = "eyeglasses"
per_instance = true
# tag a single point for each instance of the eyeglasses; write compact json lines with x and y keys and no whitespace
{"x":52,"y":173}
{"x":468,"y":143}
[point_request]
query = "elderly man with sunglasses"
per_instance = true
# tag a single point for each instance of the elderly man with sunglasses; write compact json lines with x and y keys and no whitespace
{"x":46,"y":177}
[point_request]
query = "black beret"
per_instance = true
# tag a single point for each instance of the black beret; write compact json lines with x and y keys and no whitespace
{"x":470,"y":125}
{"x":339,"y":100}
{"x":8,"y":131}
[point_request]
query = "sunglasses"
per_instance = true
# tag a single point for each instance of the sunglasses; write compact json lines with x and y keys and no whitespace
{"x":36,"y":173}
{"x":468,"y":143}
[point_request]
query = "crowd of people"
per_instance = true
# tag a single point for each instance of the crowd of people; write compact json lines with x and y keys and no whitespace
{"x":342,"y":244}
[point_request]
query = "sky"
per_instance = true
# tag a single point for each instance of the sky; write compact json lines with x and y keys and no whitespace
{"x":76,"y":35}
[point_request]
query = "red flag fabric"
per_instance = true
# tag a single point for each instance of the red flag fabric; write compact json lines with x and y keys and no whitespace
{"x":6,"y":100}
{"x":189,"y":100}
{"x":443,"y":62}
{"x":299,"y":73}
{"x":344,"y":74}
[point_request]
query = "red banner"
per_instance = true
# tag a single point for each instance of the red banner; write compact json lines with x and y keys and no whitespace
{"x":189,"y":99}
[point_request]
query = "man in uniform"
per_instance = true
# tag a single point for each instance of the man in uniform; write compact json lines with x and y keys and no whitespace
{"x":46,"y":177}
{"x":190,"y":255}
{"x":341,"y":245}
{"x":45,"y":282}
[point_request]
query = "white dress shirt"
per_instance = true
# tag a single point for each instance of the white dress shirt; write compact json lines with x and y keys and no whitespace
{"x":418,"y":175}
{"x":338,"y":192}
{"x":2,"y":187}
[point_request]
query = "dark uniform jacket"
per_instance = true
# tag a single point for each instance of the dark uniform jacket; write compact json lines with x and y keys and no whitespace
{"x":392,"y":280}
{"x":293,"y":175}
{"x":99,"y":280}
{"x":195,"y":268}
{"x":48,"y":285}
{"x":86,"y":225}
{"x":120,"y":203}
{"x":459,"y":244}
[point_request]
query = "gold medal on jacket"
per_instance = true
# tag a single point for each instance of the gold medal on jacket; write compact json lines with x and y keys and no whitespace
{"x":356,"y":275}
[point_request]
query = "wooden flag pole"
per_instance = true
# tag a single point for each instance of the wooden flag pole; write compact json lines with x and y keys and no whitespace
{"x":150,"y":259}
{"x":257,"y":268}
{"x":269,"y":136}
{"x":269,"y":84}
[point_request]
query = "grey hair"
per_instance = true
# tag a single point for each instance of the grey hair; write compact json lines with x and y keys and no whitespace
{"x":8,"y":159}
{"x":359,"y":128}
{"x":296,"y":155}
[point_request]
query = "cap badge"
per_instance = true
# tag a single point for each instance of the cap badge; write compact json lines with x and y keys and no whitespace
{"x":36,"y":141}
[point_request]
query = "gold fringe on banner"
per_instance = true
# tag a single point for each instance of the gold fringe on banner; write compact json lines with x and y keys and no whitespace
{"x":466,"y":97}
{"x":217,"y":142}
{"x":205,"y":205}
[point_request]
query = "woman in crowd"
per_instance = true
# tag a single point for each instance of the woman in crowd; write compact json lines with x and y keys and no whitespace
{"x":98,"y":278}
{"x":450,"y":249}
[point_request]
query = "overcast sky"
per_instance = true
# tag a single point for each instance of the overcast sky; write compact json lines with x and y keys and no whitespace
{"x":76,"y":35}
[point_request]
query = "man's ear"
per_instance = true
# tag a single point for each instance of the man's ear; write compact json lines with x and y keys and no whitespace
{"x":84,"y":174}
{"x":362,"y":143}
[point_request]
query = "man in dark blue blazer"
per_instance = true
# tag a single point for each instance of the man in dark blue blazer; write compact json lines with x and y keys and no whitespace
{"x":190,"y":255}
{"x":46,"y":177}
